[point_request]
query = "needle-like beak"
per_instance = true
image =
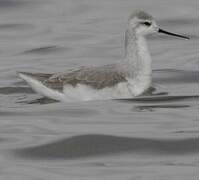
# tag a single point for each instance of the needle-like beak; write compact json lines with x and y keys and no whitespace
{"x":172,"y":34}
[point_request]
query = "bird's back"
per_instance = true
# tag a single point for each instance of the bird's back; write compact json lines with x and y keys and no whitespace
{"x":95,"y":77}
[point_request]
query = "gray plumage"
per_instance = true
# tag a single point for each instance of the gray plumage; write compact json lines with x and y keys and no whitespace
{"x":96,"y":77}
{"x":141,"y":15}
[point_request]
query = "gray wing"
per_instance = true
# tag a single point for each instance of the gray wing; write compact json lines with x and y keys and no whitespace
{"x":96,"y":77}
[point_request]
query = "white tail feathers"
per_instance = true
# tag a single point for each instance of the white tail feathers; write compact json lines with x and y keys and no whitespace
{"x":40,"y":88}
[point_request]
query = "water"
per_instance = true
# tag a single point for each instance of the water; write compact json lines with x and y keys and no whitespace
{"x":151,"y":137}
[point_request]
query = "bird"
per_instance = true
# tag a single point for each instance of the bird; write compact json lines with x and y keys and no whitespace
{"x":127,"y":78}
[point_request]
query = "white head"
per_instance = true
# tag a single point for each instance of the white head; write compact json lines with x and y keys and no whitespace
{"x":142,"y":23}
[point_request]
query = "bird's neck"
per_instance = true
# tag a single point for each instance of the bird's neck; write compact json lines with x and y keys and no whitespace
{"x":137,"y":57}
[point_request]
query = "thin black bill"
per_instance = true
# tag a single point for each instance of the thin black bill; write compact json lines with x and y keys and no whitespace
{"x":172,"y":34}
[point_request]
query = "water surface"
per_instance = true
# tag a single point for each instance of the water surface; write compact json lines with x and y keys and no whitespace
{"x":155,"y":136}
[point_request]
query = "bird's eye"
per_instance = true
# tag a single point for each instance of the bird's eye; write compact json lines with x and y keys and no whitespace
{"x":147,"y":23}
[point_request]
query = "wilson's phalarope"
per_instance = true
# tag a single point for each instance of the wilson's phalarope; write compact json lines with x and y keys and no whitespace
{"x":125,"y":79}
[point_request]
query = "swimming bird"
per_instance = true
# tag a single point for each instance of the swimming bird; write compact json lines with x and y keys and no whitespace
{"x":125,"y":79}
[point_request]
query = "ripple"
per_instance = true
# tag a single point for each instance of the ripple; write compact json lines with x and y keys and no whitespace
{"x":16,"y":90}
{"x":179,"y":21}
{"x":158,"y":98}
{"x":83,"y":146}
{"x":16,"y":26}
{"x":175,"y":76}
{"x":43,"y":100}
{"x":160,"y":106}
{"x":44,"y":50}
{"x":11,"y":3}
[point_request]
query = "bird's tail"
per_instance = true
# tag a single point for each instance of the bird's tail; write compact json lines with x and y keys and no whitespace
{"x":39,"y":87}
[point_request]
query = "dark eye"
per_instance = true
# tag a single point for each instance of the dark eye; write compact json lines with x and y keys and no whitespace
{"x":147,"y":23}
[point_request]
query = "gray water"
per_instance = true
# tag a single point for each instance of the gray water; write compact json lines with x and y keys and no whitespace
{"x":151,"y":137}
